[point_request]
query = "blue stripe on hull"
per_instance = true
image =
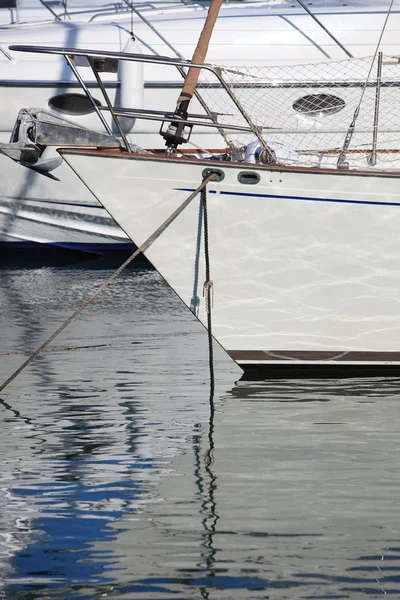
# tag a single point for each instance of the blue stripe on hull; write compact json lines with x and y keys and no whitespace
{"x":59,"y":202}
{"x":80,"y":247}
{"x":300,"y":198}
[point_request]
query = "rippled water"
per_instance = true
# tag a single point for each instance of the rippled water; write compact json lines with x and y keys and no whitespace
{"x":116,"y":483}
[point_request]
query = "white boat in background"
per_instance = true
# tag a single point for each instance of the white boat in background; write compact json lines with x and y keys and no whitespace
{"x":16,"y":13}
{"x":36,"y":209}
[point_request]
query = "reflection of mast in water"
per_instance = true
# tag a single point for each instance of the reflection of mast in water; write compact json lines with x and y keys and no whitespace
{"x":207,"y":485}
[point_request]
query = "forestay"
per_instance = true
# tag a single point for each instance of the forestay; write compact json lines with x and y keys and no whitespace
{"x":309,"y":107}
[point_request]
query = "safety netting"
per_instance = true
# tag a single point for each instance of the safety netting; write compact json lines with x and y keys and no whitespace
{"x":309,"y":108}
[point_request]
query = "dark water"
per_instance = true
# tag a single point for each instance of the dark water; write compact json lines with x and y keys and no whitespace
{"x":114,"y":483}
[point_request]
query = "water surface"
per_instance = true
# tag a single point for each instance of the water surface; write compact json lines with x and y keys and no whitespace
{"x":114,"y":482}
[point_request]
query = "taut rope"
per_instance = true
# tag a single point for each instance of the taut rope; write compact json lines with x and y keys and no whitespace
{"x":109,"y":280}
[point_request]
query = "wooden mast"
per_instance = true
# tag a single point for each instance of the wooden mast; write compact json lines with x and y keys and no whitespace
{"x":174,"y":135}
{"x":200,"y":52}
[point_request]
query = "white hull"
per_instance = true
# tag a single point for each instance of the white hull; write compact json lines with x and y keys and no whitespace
{"x":304,"y":264}
{"x":35,"y":209}
{"x":38,"y":210}
{"x":263,"y":34}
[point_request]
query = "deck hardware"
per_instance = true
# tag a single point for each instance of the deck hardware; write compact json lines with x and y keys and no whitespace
{"x":220,"y":175}
{"x":248,"y":177}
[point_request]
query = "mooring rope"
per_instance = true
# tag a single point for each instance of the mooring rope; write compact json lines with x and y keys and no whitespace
{"x":109,"y":280}
{"x":208,"y":293}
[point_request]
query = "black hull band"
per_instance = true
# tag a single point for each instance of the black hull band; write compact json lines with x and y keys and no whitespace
{"x":290,"y":370}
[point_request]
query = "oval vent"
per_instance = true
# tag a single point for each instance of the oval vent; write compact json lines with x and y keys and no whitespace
{"x":319,"y":105}
{"x":72,"y":104}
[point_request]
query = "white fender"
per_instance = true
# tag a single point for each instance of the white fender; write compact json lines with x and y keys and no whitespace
{"x":130,"y":74}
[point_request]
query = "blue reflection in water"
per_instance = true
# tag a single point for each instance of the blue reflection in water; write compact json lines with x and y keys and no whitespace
{"x":132,"y":485}
{"x":61,"y":551}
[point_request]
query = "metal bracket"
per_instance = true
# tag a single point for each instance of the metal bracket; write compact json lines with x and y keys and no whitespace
{"x":36,"y":129}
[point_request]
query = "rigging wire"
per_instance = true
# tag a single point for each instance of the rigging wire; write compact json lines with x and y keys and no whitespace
{"x":341,"y":160}
{"x":325,"y":28}
{"x":132,"y":23}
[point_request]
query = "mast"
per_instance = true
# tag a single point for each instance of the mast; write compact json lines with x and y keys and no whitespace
{"x":177,"y":132}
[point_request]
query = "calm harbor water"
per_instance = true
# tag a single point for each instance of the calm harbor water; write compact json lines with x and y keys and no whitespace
{"x":116,"y":484}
